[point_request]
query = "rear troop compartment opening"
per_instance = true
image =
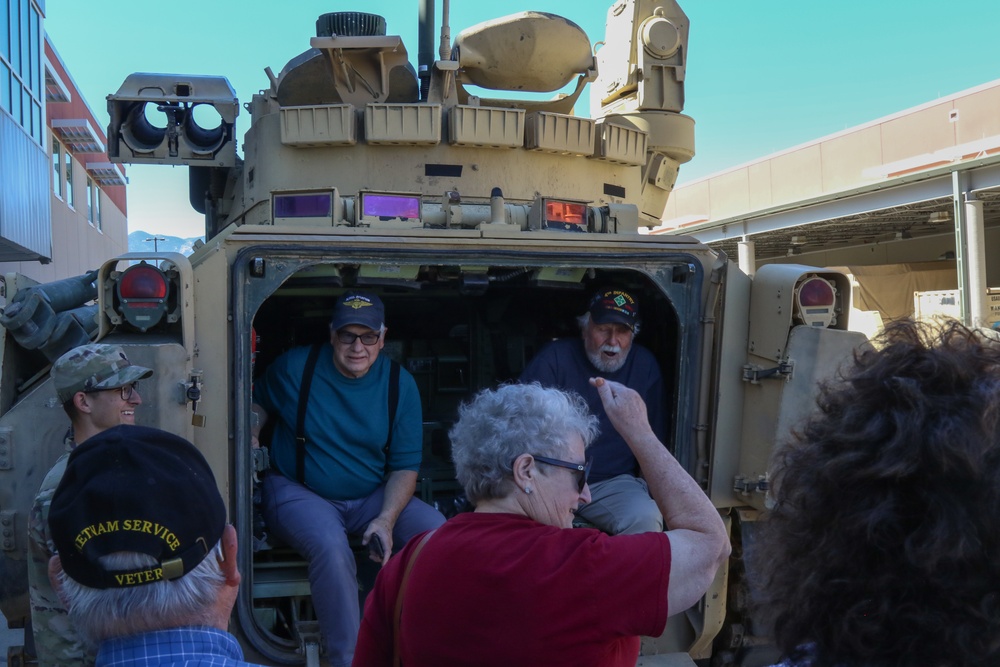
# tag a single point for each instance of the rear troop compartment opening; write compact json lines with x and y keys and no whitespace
{"x":456,"y":331}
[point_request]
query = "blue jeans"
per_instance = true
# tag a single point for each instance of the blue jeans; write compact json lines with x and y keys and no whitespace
{"x":318,"y":529}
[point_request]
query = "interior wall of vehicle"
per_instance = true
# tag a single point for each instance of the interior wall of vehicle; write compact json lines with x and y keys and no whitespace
{"x":455,"y":343}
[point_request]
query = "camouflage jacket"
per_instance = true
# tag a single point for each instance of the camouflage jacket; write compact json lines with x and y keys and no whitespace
{"x":56,"y":641}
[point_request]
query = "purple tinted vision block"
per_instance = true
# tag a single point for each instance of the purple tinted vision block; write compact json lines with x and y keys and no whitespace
{"x":389,"y":206}
{"x":302,"y":206}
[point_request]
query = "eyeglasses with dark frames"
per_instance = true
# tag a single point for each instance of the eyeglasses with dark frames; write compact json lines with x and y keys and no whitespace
{"x":125,"y":390}
{"x":582,"y":468}
{"x":367,"y":338}
{"x":128,"y":389}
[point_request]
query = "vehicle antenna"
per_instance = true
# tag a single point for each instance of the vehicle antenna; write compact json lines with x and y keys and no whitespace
{"x":445,"y":49}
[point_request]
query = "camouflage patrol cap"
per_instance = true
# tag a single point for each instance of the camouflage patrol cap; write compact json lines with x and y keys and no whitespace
{"x":92,"y":368}
{"x":140,"y":490}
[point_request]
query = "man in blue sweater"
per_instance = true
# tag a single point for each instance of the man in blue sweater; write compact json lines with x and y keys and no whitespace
{"x":620,"y":503}
{"x":345,"y":452}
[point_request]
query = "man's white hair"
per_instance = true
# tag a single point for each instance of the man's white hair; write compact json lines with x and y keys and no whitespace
{"x":98,"y":614}
{"x":584,"y":320}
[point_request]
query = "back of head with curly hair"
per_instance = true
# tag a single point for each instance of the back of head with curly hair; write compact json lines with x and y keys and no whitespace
{"x":883,"y":546}
{"x":499,"y":425}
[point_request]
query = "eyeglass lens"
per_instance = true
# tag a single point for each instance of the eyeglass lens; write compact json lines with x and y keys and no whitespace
{"x":582,"y":470}
{"x":128,"y":389}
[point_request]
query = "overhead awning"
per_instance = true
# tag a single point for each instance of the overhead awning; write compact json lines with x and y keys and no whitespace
{"x":106,"y":173}
{"x":78,"y":135}
{"x":55,"y":89}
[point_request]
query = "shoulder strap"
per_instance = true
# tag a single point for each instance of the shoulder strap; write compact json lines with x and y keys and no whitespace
{"x":300,"y":421}
{"x":397,"y":658}
{"x":393,"y":404}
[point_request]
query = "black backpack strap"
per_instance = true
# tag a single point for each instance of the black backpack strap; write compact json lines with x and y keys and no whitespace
{"x":393,"y":404}
{"x":300,"y":422}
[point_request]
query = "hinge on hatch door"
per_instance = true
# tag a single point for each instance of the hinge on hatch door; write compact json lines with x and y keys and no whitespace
{"x":753,"y":373}
{"x":6,"y":448}
{"x":744,"y":485}
{"x":8,"y":533}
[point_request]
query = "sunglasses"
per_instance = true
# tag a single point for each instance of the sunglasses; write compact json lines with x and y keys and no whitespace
{"x":348,"y":338}
{"x":582,"y":468}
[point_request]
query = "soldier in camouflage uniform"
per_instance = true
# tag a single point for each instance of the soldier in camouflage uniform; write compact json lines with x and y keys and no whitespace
{"x":97,"y":386}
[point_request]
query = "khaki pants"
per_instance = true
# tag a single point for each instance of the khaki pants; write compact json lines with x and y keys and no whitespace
{"x":622,"y":506}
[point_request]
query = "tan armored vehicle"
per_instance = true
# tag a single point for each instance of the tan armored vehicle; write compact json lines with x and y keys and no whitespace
{"x":483,"y":220}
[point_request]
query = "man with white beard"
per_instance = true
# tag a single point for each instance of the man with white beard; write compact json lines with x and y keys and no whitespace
{"x":620,"y":503}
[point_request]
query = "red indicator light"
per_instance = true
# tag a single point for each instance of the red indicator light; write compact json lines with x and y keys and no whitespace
{"x":143,"y":282}
{"x":567,"y":213}
{"x":142,"y":293}
{"x":816,"y":293}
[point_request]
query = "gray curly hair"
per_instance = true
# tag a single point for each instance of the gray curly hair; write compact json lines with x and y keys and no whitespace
{"x":499,"y":425}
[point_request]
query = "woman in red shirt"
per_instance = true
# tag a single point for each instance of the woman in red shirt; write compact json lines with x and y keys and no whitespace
{"x":509,"y":584}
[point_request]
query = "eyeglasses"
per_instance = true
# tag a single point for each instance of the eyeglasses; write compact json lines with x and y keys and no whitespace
{"x":126,"y":390}
{"x":583,"y":468}
{"x":348,"y":338}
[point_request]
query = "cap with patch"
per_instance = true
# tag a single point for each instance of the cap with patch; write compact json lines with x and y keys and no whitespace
{"x":135,"y":489}
{"x":92,"y":368}
{"x":614,"y":305}
{"x":358,"y":308}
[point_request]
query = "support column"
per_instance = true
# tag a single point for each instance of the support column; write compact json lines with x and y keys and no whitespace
{"x":959,"y":187}
{"x":976,"y":261}
{"x":747,"y":257}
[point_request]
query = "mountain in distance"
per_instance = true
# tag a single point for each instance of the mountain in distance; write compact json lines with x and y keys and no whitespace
{"x":137,"y":243}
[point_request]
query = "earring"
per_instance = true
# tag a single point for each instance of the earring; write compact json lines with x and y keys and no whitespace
{"x":527,"y":490}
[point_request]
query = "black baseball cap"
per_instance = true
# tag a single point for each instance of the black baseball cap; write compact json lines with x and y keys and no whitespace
{"x":361,"y":308}
{"x":137,"y":489}
{"x":614,"y":305}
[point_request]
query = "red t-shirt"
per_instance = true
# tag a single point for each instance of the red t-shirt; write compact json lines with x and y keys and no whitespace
{"x":502,"y":589}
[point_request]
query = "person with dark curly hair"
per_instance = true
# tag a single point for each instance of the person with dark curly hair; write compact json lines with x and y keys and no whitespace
{"x":882,"y":545}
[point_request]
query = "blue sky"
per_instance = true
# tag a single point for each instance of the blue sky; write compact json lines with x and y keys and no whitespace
{"x":763,"y":75}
